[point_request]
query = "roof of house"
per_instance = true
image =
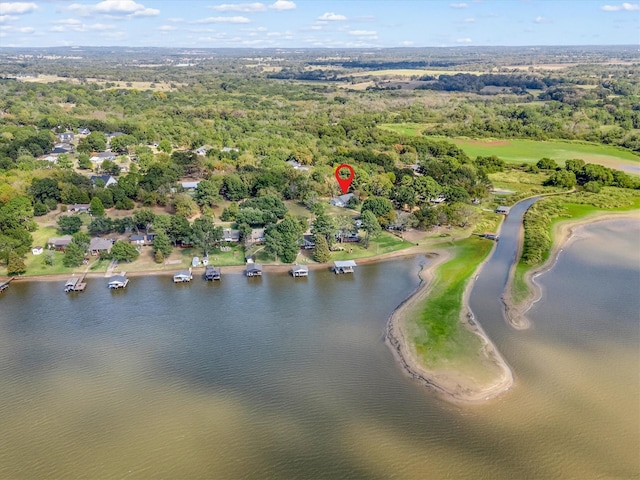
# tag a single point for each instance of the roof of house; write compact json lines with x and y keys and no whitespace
{"x":300,"y":268}
{"x":77,"y":206}
{"x":230,"y":233}
{"x":105,"y":178}
{"x":182,"y":273}
{"x":254,"y":267}
{"x":118,"y":279}
{"x":104,"y":155}
{"x":190,"y":184}
{"x":344,"y":263}
{"x":100,"y":244}
{"x":138,"y":238}
{"x":342,"y":198}
{"x":64,"y":240}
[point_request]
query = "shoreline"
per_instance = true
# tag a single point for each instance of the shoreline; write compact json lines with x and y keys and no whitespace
{"x":563,"y":234}
{"x":451,"y":385}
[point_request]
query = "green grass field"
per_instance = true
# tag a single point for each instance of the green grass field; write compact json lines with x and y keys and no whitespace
{"x":439,"y":334}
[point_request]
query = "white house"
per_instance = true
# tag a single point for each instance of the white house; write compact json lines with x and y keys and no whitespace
{"x":37,"y":250}
{"x":342,"y":200}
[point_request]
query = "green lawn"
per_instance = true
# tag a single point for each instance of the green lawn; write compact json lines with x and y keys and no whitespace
{"x":385,"y":243}
{"x":439,"y":335}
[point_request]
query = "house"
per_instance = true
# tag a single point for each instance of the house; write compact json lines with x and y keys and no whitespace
{"x":98,"y":246}
{"x":114,"y":134}
{"x":52,"y":158}
{"x":100,"y":157}
{"x":349,"y":238}
{"x":190,"y":185}
{"x":142,"y":240}
{"x":307,"y":242}
{"x":201,"y":152}
{"x":37,"y":250}
{"x":300,"y":271}
{"x":83,"y":131}
{"x":438,"y":199}
{"x":66,"y":137}
{"x":59,"y":148}
{"x":212,"y":273}
{"x":59,"y":244}
{"x":503,"y":210}
{"x":253,"y":270}
{"x":195,"y":262}
{"x":78,"y":207}
{"x":342,"y":200}
{"x":107,"y":179}
{"x":298,"y":166}
{"x":183,"y":276}
{"x":230,"y":235}
{"x":118,"y":281}
{"x":343,"y":266}
{"x":257,"y":235}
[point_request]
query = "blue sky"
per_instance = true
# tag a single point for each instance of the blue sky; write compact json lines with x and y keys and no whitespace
{"x":318,"y":23}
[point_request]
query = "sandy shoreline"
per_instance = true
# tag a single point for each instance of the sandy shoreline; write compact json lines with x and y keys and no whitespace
{"x":563,"y":233}
{"x":452,"y":385}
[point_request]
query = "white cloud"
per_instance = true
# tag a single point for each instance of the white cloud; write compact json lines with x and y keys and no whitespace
{"x":627,"y":7}
{"x":458,"y":5}
{"x":17,"y":8}
{"x":540,"y":19}
{"x":75,"y":25}
{"x":236,"y":19}
{"x":363,"y":33}
{"x":463,"y":40}
{"x":118,"y":8}
{"x":7,"y":18}
{"x":8,"y":28}
{"x":332,"y":17}
{"x":176,"y":20}
{"x":406,"y":43}
{"x":469,"y":20}
{"x":281,"y":5}
{"x":167,"y":28}
{"x":240,"y":7}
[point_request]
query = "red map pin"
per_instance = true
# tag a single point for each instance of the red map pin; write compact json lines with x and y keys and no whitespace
{"x":345,"y":183}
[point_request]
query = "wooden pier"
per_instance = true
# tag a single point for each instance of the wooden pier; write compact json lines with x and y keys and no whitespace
{"x":343,"y":266}
{"x":183,"y":276}
{"x":300,"y":271}
{"x":5,"y":285}
{"x":212,"y":273}
{"x":75,"y":284}
{"x":118,"y":281}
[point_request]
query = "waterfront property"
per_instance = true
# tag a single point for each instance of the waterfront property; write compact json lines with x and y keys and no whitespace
{"x":300,"y":271}
{"x":230,"y":235}
{"x":253,"y":270}
{"x":212,"y":273}
{"x":59,"y":244}
{"x":307,"y":242}
{"x":342,"y":200}
{"x":183,"y":276}
{"x":142,"y":240}
{"x":98,"y":245}
{"x":118,"y":281}
{"x":75,"y":284}
{"x":343,"y":266}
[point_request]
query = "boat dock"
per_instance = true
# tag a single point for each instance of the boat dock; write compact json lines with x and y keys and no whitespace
{"x":343,"y":266}
{"x":300,"y":271}
{"x":183,"y":276}
{"x":5,"y":285}
{"x":212,"y":273}
{"x":75,"y":284}
{"x":118,"y":281}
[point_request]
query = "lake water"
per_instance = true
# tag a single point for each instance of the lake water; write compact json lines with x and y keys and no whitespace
{"x":283,"y":378}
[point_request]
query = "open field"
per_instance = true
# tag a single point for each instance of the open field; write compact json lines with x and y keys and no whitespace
{"x":409,"y":72}
{"x":158,"y":86}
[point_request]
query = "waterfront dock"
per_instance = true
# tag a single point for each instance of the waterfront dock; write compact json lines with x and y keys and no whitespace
{"x":343,"y":266}
{"x":183,"y":276}
{"x":5,"y":285}
{"x":212,"y":273}
{"x":118,"y":282}
{"x":300,"y":271}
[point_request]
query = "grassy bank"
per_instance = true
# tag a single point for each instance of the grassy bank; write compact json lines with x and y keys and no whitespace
{"x":541,"y":220}
{"x":439,"y":336}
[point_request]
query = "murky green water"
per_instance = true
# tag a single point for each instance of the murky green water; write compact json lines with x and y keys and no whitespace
{"x":284,"y":378}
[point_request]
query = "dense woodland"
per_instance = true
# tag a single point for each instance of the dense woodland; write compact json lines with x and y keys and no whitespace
{"x":273,"y":129}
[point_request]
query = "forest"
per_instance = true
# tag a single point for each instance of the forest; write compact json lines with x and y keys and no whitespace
{"x":245,"y":142}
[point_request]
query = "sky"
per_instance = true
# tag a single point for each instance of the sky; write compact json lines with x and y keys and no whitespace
{"x":318,"y":23}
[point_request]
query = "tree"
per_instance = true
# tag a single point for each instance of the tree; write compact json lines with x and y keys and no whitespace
{"x":283,"y":239}
{"x":164,"y":146}
{"x":371,"y":226}
{"x":184,"y":205}
{"x":96,"y":207}
{"x":233,"y":188}
{"x":45,"y":188}
{"x":547,"y":164}
{"x":84,"y":162}
{"x":69,"y":224}
{"x":561,"y":178}
{"x":323,"y":226}
{"x":73,"y":255}
{"x":110,"y":168}
{"x":65,"y":162}
{"x":144,"y":219}
{"x":207,"y":193}
{"x":205,"y":234}
{"x":124,"y":251}
{"x":15,"y":264}
{"x":321,"y":253}
{"x":162,"y":244}
{"x":100,"y":225}
{"x":94,"y":142}
{"x":158,"y":257}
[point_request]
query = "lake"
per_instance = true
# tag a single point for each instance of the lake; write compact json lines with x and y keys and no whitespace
{"x":290,"y":378}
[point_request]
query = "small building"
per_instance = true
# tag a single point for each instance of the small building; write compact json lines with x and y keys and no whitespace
{"x":60,"y":243}
{"x":230,"y":235}
{"x":183,"y":276}
{"x":307,"y":242}
{"x":300,"y":271}
{"x":342,"y":200}
{"x":142,"y":240}
{"x":107,"y":179}
{"x":118,"y":281}
{"x":212,"y":273}
{"x":70,"y":284}
{"x":253,"y":270}
{"x":438,"y":199}
{"x":503,"y":210}
{"x":59,"y":148}
{"x":195,"y":262}
{"x":343,"y":266}
{"x":98,"y":158}
{"x":201,"y":152}
{"x":66,"y":137}
{"x":98,"y":246}
{"x":298,"y":166}
{"x":190,"y":186}
{"x":37,"y":250}
{"x":257,"y":235}
{"x":78,"y":208}
{"x":83,"y":131}
{"x":52,"y":158}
